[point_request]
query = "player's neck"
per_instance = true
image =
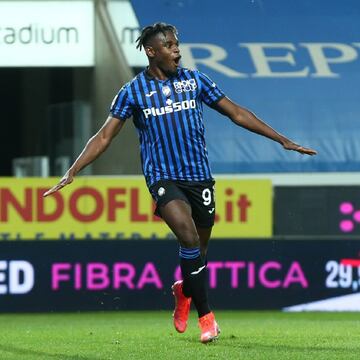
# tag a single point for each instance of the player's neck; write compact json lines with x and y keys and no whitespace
{"x":157,"y":73}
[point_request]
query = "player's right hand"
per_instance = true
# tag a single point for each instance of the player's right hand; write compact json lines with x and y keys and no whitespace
{"x":66,"y":180}
{"x":290,"y":145}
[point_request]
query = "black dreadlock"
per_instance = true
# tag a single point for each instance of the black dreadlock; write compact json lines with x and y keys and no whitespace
{"x":149,"y":31}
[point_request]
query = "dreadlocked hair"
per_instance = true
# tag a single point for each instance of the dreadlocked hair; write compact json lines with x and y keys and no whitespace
{"x":149,"y":31}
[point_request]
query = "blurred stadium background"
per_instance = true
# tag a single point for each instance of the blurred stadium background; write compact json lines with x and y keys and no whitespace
{"x":288,"y":226}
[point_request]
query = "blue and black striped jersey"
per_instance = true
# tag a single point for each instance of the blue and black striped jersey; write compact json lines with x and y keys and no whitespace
{"x":168,"y":116}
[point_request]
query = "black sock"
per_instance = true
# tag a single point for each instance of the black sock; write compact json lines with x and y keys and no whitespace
{"x":193,"y":270}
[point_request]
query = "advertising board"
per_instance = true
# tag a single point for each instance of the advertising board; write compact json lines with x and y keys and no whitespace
{"x":317,"y":210}
{"x":302,"y":81}
{"x":51,"y":33}
{"x":244,"y":274}
{"x":121,"y":208}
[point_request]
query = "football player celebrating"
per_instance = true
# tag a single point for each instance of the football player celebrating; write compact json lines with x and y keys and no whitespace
{"x":166,"y":103}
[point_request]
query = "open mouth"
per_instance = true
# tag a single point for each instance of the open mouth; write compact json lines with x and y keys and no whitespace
{"x":177,"y":60}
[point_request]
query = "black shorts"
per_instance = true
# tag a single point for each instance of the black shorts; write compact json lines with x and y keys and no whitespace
{"x":198,"y":194}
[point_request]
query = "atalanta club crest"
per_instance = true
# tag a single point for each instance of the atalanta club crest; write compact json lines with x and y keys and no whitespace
{"x":166,"y":90}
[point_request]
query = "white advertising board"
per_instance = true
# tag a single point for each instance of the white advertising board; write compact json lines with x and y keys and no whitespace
{"x":46,"y":33}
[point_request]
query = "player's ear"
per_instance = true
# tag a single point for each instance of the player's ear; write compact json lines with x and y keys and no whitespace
{"x":150,"y":52}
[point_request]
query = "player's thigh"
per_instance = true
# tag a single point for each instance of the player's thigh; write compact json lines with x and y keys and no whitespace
{"x":177,"y":215}
{"x":202,"y":199}
{"x":174,"y":207}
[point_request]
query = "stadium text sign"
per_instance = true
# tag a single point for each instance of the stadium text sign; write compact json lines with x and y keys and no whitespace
{"x":16,"y":277}
{"x":51,"y":33}
{"x":265,"y":59}
{"x":137,"y":274}
{"x":97,"y":276}
{"x":121,"y":208}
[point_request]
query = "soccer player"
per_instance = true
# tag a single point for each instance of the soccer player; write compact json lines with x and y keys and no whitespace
{"x":165,"y":101}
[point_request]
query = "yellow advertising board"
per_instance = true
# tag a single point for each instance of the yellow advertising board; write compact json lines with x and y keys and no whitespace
{"x":121,"y":208}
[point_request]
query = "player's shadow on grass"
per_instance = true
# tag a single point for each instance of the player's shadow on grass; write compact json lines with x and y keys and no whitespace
{"x":41,"y":354}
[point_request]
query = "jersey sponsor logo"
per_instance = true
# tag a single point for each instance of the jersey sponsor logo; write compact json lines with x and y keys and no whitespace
{"x":185,"y":85}
{"x":151,"y":93}
{"x":173,"y":107}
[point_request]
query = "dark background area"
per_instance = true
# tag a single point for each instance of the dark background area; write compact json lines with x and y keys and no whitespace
{"x":26,"y":94}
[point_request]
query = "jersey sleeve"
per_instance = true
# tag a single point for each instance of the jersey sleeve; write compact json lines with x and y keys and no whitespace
{"x":210,"y":93}
{"x":121,"y":107}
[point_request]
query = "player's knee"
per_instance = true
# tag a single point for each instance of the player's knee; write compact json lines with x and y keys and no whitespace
{"x":189,"y":239}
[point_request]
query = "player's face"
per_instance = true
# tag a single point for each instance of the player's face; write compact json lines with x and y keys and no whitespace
{"x":166,"y":54}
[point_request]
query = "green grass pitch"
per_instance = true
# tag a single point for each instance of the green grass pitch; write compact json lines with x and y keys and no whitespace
{"x":150,"y":335}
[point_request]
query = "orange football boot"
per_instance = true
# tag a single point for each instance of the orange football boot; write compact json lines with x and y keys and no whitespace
{"x":182,"y":307}
{"x":209,"y":328}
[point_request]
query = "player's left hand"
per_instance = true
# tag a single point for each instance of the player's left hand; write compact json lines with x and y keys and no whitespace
{"x":289,"y":145}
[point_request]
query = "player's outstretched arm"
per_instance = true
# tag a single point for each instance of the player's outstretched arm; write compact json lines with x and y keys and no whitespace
{"x":93,"y":149}
{"x":246,"y":119}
